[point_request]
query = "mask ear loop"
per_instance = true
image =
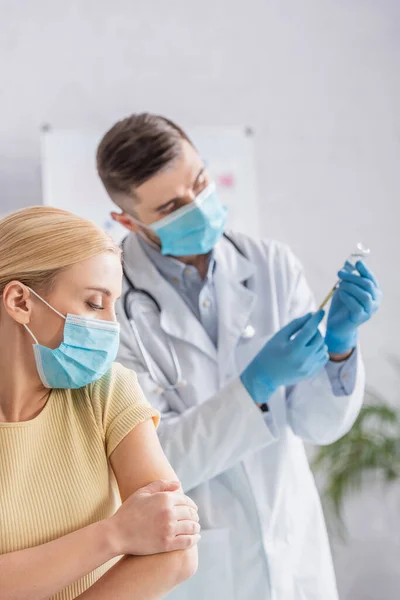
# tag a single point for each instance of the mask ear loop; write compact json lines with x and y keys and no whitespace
{"x":32,"y":335}
{"x":142,"y":234}
{"x":47,"y":304}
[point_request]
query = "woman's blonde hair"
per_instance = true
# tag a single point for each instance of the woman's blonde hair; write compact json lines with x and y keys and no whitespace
{"x":36,"y":243}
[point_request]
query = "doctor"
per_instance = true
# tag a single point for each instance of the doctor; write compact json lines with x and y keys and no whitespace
{"x":220,"y":332}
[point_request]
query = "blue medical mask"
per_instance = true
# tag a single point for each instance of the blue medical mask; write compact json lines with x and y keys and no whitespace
{"x":88,"y":349}
{"x":194,"y":228}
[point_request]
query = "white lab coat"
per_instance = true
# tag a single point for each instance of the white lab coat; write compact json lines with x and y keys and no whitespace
{"x":263,"y":532}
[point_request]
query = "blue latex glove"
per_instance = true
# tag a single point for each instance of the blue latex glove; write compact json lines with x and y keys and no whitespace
{"x":355,"y":301}
{"x":296,"y":352}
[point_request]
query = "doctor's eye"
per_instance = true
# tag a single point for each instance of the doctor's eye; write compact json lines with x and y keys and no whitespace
{"x":167,"y":208}
{"x":201,"y":183}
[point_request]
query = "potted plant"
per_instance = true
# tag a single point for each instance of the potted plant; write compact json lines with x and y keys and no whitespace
{"x":369,"y":452}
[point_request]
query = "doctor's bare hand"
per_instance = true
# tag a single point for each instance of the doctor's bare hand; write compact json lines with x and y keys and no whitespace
{"x":296,"y":352}
{"x":156,"y":518}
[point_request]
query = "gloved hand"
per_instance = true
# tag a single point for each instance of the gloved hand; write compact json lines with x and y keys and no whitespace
{"x":296,"y":352}
{"x":355,"y":301}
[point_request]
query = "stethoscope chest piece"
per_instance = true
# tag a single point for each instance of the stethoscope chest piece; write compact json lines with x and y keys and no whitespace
{"x":248,"y":332}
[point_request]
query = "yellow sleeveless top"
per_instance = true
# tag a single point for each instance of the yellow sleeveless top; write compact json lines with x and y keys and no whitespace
{"x":55,"y":475}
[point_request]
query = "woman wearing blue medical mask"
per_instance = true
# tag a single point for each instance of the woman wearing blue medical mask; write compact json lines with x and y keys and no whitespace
{"x":76,"y":434}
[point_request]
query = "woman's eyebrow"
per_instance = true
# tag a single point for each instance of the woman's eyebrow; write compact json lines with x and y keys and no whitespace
{"x":100,"y":289}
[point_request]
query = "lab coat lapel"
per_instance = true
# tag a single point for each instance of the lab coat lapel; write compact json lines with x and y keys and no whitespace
{"x":235,"y":301}
{"x":177,"y":320}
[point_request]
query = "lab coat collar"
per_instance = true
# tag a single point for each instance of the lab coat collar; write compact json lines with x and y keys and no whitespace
{"x":236,"y":265}
{"x":171,"y":268}
{"x":177,"y":319}
{"x":235,"y":301}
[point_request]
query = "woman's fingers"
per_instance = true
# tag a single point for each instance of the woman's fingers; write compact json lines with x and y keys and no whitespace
{"x":186,"y":513}
{"x":184,"y":542}
{"x":187,"y":528}
{"x":182,"y":500}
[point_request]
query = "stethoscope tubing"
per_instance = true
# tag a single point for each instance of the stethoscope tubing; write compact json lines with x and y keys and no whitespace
{"x":179,"y":382}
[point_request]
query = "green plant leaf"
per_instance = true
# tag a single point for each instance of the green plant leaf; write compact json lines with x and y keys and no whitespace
{"x":370,"y":451}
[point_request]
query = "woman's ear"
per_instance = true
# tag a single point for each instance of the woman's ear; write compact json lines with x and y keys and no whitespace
{"x":17,"y":301}
{"x":125,"y":220}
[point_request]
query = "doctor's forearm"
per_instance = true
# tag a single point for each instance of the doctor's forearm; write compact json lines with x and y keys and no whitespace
{"x":144,"y":577}
{"x":212,"y":437}
{"x":319,"y":416}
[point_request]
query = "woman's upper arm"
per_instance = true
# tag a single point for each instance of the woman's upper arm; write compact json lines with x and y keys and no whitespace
{"x":139,"y":459}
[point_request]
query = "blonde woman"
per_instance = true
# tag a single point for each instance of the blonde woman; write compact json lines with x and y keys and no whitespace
{"x":76,"y":433}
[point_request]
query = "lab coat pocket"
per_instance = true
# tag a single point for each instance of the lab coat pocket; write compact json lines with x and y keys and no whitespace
{"x":213,"y":579}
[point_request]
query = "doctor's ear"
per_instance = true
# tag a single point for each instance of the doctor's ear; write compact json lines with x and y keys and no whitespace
{"x":125,"y":220}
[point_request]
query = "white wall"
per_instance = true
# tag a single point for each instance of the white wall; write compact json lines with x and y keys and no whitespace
{"x":319,"y":82}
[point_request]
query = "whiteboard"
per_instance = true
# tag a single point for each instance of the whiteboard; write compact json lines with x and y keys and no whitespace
{"x":70,"y":180}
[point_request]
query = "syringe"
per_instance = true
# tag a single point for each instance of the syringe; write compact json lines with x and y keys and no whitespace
{"x":360,"y":253}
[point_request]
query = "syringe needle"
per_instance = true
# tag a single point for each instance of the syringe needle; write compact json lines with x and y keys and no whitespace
{"x":329,"y":296}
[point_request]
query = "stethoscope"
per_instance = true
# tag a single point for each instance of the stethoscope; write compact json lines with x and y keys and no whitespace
{"x":247,"y":333}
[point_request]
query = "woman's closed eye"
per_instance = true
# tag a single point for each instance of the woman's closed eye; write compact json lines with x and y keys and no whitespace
{"x":95,"y":306}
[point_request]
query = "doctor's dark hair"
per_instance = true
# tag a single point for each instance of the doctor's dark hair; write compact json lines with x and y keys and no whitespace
{"x":135,"y":149}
